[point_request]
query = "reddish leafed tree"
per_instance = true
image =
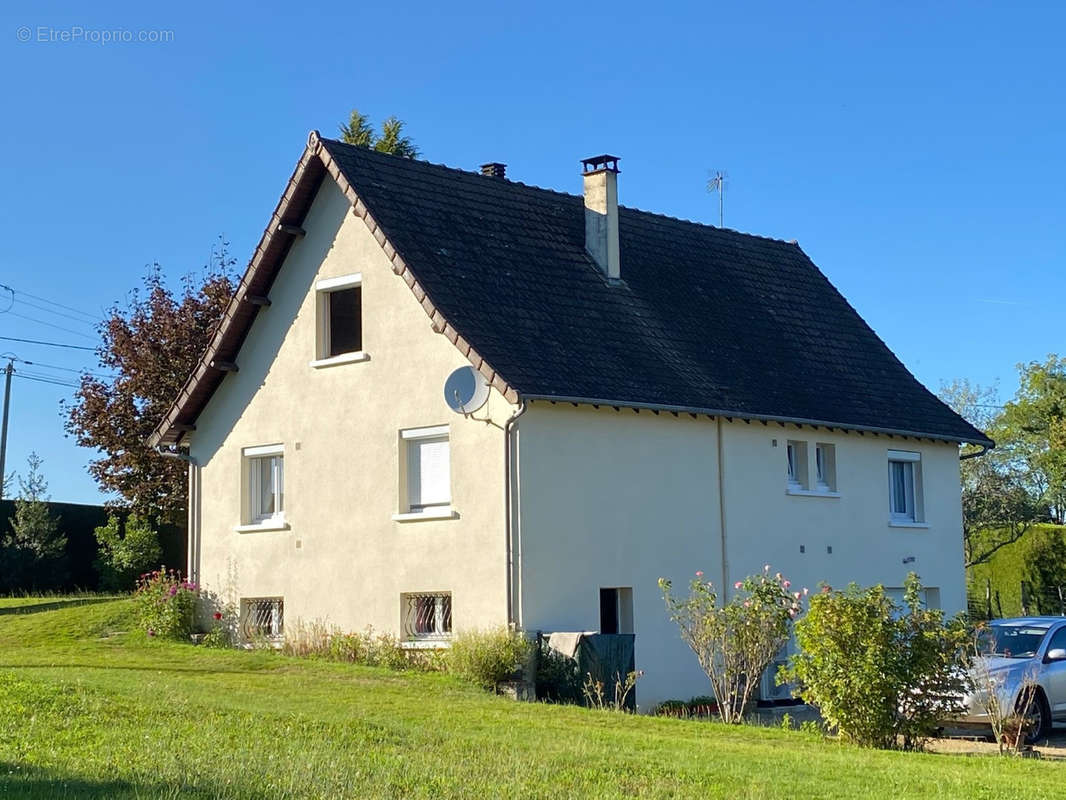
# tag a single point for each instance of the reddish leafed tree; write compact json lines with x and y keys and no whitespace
{"x":152,"y":344}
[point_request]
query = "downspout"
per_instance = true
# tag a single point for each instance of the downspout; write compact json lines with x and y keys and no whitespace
{"x":508,"y":451}
{"x":721,"y":511}
{"x":192,"y":570}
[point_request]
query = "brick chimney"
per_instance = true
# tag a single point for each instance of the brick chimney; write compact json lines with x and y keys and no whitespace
{"x":494,"y":169}
{"x":600,"y":175}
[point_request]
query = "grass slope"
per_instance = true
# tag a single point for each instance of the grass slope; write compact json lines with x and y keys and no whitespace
{"x":89,"y":712}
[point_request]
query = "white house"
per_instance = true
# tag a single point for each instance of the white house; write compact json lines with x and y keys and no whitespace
{"x":664,"y":397}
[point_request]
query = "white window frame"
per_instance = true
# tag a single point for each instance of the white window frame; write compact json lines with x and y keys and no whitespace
{"x":410,"y":512}
{"x":825,"y":472}
{"x":253,"y":518}
{"x":796,"y":472}
{"x":323,"y":288}
{"x":914,"y":515}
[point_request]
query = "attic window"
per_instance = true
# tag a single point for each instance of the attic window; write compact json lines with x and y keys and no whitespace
{"x":339,"y":309}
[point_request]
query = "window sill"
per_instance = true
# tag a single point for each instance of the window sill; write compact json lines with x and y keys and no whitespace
{"x":343,"y":358}
{"x":269,"y":525}
{"x":416,"y":516}
{"x":893,"y":523}
{"x":810,"y":493}
{"x":426,"y":644}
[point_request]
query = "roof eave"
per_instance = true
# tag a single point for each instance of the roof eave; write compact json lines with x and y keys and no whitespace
{"x":747,"y":415}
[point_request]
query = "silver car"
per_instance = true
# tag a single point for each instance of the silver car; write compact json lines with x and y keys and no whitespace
{"x":1014,"y":650}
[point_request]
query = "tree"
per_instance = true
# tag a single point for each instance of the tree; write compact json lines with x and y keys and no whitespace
{"x":998,"y":507}
{"x":152,"y":345}
{"x":1045,"y":572}
{"x":126,"y":555}
{"x":359,"y":132}
{"x":35,"y":549}
{"x":1032,"y":432}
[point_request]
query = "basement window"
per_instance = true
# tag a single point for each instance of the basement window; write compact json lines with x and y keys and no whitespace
{"x":426,"y":616}
{"x":339,"y":309}
{"x":262,"y":617}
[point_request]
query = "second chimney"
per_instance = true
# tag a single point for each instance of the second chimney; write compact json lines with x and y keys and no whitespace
{"x":494,"y":169}
{"x":600,"y":175}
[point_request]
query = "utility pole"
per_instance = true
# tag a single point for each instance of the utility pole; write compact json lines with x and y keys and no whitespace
{"x":8,"y":370}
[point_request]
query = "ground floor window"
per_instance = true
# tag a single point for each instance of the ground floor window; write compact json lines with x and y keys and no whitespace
{"x":616,"y":610}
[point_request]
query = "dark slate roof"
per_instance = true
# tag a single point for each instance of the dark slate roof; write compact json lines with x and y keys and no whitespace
{"x":706,"y":318}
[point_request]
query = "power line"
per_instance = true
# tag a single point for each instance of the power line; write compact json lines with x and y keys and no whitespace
{"x":47,"y":310}
{"x":48,"y":344}
{"x":92,"y":317}
{"x":25,"y":377}
{"x":67,"y":369}
{"x":51,"y":325}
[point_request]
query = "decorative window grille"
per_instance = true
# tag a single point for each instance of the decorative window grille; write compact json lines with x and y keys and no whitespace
{"x":262,"y":616}
{"x":427,"y":616}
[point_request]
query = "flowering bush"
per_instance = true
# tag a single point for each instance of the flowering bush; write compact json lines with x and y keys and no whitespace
{"x":735,"y":641}
{"x":166,"y":604}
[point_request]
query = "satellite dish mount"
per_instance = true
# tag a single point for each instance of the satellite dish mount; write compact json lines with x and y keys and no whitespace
{"x":466,"y":390}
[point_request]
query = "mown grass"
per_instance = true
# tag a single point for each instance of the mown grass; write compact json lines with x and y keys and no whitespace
{"x":90,"y":709}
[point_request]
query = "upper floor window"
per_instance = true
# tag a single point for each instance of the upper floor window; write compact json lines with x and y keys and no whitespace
{"x":796,"y":453}
{"x":264,"y":469}
{"x":825,"y":467}
{"x":339,"y":304}
{"x":904,"y":486}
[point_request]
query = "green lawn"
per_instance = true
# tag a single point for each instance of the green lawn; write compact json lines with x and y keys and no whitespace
{"x":86,"y":711}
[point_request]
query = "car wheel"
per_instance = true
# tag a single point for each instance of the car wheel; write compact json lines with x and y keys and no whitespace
{"x":1039,"y":717}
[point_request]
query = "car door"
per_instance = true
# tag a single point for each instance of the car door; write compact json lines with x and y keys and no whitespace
{"x":1055,"y":675}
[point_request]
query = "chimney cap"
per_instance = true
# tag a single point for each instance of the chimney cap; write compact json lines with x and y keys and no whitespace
{"x":494,"y":169}
{"x":599,"y":163}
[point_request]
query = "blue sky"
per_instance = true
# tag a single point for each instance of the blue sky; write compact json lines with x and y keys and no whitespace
{"x":913,"y":149}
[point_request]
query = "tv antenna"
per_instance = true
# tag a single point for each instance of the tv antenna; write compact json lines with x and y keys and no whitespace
{"x":716,"y":183}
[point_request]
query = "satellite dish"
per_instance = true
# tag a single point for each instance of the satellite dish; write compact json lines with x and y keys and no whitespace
{"x":466,"y":390}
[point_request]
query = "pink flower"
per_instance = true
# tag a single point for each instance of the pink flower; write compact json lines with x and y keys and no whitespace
{"x":151,"y":632}
{"x":786,"y":584}
{"x":699,"y":573}
{"x":804,"y":591}
{"x":825,"y":590}
{"x":778,"y":576}
{"x":765,"y":567}
{"x":218,"y":615}
{"x":738,"y":584}
{"x":747,"y":604}
{"x":797,"y":595}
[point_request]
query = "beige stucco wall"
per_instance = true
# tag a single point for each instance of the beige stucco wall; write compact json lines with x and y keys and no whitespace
{"x":611,"y":498}
{"x":343,"y":558}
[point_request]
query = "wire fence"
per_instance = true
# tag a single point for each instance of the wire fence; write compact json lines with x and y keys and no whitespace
{"x":983,"y":602}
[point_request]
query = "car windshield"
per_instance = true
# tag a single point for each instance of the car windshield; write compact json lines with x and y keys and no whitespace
{"x":1011,"y":641}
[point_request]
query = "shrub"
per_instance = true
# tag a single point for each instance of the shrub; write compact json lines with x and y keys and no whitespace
{"x":487,"y":657}
{"x":880,"y":675}
{"x":166,"y":604}
{"x":125,"y":556}
{"x":736,"y":641}
{"x":371,"y":649}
